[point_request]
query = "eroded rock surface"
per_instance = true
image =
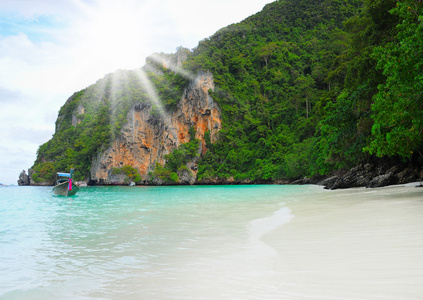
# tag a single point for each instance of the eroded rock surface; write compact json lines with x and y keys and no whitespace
{"x":150,"y":133}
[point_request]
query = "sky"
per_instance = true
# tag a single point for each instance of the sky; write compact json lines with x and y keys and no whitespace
{"x":50,"y":49}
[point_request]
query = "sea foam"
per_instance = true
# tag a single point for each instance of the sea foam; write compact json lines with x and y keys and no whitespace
{"x":259,"y":227}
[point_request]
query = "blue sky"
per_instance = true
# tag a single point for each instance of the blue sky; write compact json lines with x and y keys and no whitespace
{"x":50,"y":49}
{"x":36,"y":27}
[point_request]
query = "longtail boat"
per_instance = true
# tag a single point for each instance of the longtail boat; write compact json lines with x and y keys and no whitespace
{"x":65,"y":186}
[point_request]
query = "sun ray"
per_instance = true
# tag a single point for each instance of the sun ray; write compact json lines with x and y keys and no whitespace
{"x":168,"y":64}
{"x":151,"y":91}
{"x":118,"y":84}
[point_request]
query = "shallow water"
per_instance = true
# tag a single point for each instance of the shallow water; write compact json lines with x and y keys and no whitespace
{"x":217,"y":242}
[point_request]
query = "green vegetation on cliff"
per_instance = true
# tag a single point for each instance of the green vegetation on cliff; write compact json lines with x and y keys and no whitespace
{"x":132,"y":174}
{"x":91,"y":119}
{"x":306,"y":87}
{"x":275,"y":74}
{"x":398,"y":105}
{"x":177,"y":161}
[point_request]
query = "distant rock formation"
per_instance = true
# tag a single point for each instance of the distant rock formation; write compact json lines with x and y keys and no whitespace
{"x":23,"y":179}
{"x":150,"y":134}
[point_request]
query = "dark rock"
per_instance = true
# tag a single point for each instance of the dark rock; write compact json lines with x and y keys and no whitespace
{"x":305,"y":180}
{"x":328,"y":182}
{"x":298,"y":181}
{"x":186,"y":176}
{"x":154,"y":120}
{"x":356,"y":177}
{"x":158,"y":181}
{"x":382,"y":180}
{"x":378,"y":173}
{"x":116,"y":178}
{"x":407,"y":175}
{"x":23,"y":179}
{"x":141,"y":106}
{"x":192,"y":166}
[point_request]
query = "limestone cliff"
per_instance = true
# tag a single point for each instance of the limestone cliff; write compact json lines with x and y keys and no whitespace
{"x":150,"y":133}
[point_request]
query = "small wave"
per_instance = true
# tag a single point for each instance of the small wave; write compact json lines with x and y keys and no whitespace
{"x":259,"y":227}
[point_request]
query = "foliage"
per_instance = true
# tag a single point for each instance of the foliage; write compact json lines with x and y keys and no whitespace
{"x":164,"y":174}
{"x":346,"y":124}
{"x":294,"y":165}
{"x":132,"y":174}
{"x":398,"y":107}
{"x":177,"y":160}
{"x":192,"y":133}
{"x":44,"y":172}
{"x":275,"y":73}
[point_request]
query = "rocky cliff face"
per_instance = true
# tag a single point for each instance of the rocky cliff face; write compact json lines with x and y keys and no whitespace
{"x":150,"y":133}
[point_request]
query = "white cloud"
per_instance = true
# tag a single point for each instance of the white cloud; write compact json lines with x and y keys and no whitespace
{"x":29,"y":135}
{"x":10,"y":96}
{"x":52,"y":48}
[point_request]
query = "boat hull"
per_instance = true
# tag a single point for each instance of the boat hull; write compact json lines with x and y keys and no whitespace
{"x":62,"y":189}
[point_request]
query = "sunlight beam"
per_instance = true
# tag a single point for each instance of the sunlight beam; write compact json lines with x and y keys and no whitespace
{"x":151,"y":91}
{"x":167,"y":64}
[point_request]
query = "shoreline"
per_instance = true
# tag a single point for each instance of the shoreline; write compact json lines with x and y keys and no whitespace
{"x":413,"y":184}
{"x":377,"y":172}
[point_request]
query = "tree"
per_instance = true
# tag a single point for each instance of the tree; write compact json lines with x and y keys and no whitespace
{"x":267,"y":51}
{"x":346,"y":128}
{"x":398,"y":106}
{"x":305,"y":85}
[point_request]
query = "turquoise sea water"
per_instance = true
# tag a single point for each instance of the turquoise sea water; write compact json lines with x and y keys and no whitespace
{"x":211,"y":242}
